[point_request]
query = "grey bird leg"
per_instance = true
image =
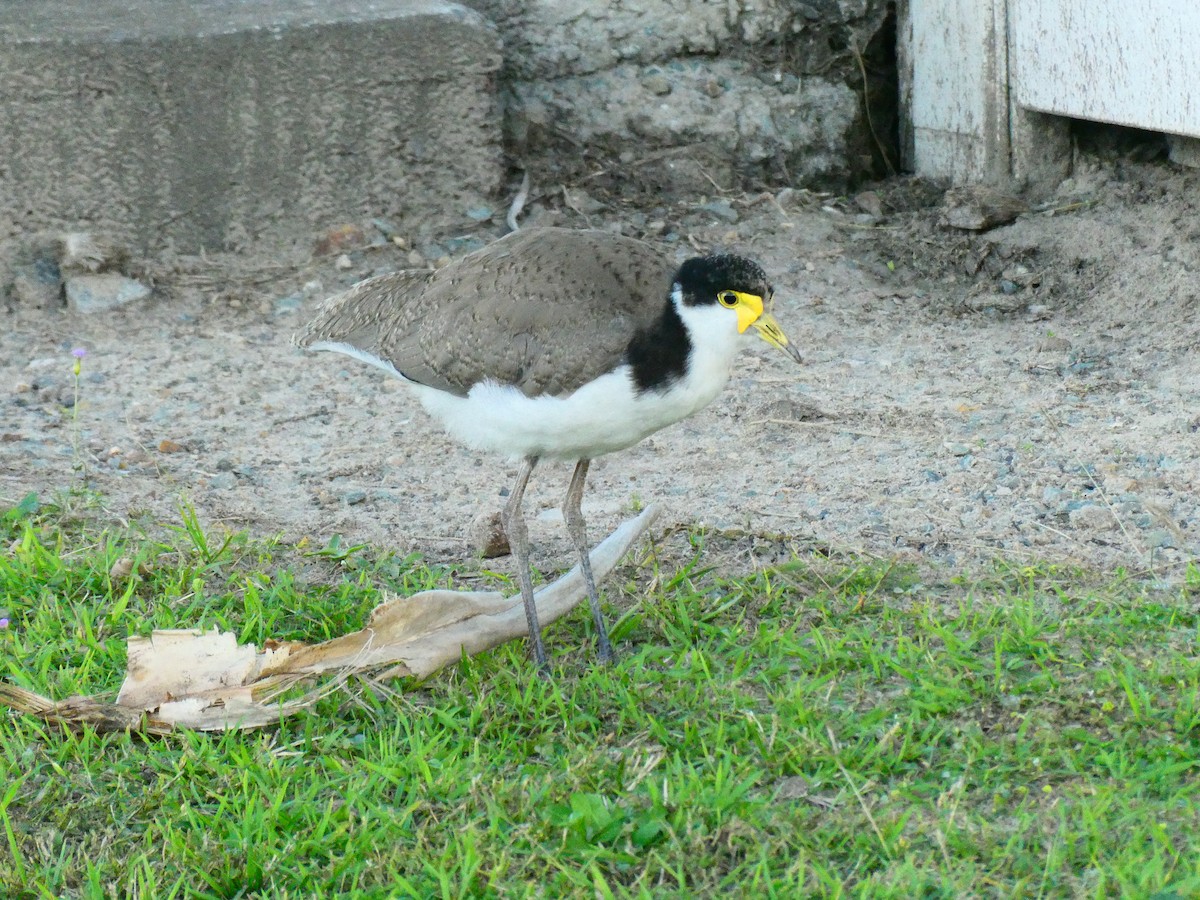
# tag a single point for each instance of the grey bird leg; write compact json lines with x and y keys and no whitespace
{"x":577,"y":528}
{"x":518,"y":538}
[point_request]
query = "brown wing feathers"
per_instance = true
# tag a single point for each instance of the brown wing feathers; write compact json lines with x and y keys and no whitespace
{"x":544,"y":309}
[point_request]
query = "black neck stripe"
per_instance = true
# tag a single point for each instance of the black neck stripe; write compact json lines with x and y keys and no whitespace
{"x":658,"y":354}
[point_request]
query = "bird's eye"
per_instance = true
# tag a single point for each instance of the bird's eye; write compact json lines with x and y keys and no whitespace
{"x":728,"y":299}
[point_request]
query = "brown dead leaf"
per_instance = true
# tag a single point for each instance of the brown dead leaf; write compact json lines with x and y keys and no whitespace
{"x":206,"y":681}
{"x":124,"y":567}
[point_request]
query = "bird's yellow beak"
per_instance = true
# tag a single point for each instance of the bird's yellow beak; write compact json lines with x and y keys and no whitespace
{"x":769,"y":331}
{"x":749,"y":309}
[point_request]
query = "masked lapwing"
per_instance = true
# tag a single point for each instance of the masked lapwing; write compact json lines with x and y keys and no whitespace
{"x":554,"y":343}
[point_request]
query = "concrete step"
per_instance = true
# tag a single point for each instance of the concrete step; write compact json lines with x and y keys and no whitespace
{"x":209,"y":124}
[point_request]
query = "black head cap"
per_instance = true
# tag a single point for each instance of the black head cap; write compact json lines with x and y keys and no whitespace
{"x":703,"y":277}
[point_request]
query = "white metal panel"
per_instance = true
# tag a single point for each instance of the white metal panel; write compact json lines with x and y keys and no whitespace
{"x":959,"y":105}
{"x":1130,"y":62}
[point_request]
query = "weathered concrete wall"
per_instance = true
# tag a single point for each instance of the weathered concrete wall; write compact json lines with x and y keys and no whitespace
{"x":762,"y":91}
{"x":216,"y":124}
{"x":205,"y":124}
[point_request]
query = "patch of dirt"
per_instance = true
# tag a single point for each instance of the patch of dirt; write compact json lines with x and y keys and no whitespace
{"x":1031,"y":393}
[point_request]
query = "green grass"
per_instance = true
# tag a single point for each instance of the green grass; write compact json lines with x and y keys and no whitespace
{"x":815,"y":730}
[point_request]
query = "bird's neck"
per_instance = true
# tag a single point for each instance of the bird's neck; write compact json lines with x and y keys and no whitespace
{"x":658,"y":353}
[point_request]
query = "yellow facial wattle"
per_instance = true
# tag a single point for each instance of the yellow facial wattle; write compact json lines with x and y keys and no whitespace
{"x":749,"y":310}
{"x":747,"y":306}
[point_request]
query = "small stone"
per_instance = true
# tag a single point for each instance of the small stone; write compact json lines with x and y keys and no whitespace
{"x":979,"y":208}
{"x":99,"y":293}
{"x":289,"y":304}
{"x":657,"y":84}
{"x":793,"y":787}
{"x":792,"y":409}
{"x":386,"y":228}
{"x":1090,"y":515}
{"x":487,"y":537}
{"x":479,"y":213}
{"x":713,"y":88}
{"x":223,"y":481}
{"x":1184,"y":151}
{"x":1052,"y":344}
{"x":870,"y":203}
{"x":166,"y":445}
{"x":957,"y":449}
{"x":415,"y":259}
{"x":1008,"y":287}
{"x":37,"y":278}
{"x":1160,"y":539}
{"x":1021,"y":276}
{"x":343,"y":263}
{"x":993,"y":302}
{"x":721,"y":209}
{"x":32,"y":292}
{"x":340,"y":239}
{"x":355,"y":497}
{"x":581,"y":201}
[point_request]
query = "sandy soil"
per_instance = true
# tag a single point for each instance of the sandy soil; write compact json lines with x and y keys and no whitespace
{"x":1028,"y":394}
